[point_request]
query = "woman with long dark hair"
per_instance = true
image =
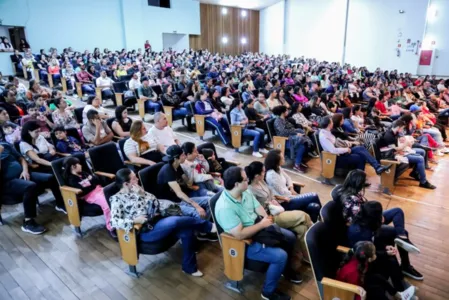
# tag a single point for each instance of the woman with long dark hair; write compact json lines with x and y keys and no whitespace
{"x":282,"y":186}
{"x":122,"y":123}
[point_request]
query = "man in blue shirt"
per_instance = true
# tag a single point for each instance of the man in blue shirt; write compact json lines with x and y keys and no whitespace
{"x":236,"y":212}
{"x":16,"y":182}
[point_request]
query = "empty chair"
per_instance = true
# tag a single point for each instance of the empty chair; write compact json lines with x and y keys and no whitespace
{"x":106,"y":159}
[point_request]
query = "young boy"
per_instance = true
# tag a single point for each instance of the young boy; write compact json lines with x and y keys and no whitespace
{"x":35,"y":115}
{"x":68,"y":144}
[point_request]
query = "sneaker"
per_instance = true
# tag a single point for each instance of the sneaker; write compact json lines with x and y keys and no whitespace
{"x":277,"y":295}
{"x":32,"y":227}
{"x":445,"y":150}
{"x":198,"y":273}
{"x":408,"y":293}
{"x":407,"y":245}
{"x":304,"y":165}
{"x":263,"y":150}
{"x":439,"y":153}
{"x":61,"y":209}
{"x":257,"y":154}
{"x":214,"y":228}
{"x":293,"y":277}
{"x":411,"y":272}
{"x":210,"y":237}
{"x":382,"y":169}
{"x":113,"y":234}
{"x":314,"y":154}
{"x":299,"y":168}
{"x":427,"y":185}
{"x":269,"y":145}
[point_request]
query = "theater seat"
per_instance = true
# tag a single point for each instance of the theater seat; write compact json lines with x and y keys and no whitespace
{"x":106,"y":159}
{"x":234,"y":254}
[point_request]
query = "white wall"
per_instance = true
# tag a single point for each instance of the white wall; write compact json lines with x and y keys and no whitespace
{"x":178,"y":42}
{"x":271,"y":32}
{"x":4,"y":32}
{"x":437,"y":26}
{"x":375,"y":28}
{"x":113,"y":24}
{"x":315,"y":28}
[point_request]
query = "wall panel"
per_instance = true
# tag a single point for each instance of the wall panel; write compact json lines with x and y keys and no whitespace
{"x":215,"y":25}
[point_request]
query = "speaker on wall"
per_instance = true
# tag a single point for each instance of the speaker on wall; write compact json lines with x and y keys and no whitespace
{"x":159,"y":3}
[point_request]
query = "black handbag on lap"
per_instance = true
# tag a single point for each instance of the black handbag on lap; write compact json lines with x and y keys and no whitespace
{"x":271,"y":236}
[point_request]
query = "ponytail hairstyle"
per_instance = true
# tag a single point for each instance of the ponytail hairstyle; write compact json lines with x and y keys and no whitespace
{"x":362,"y":251}
{"x":253,"y":169}
{"x":236,"y":102}
{"x":69,"y":162}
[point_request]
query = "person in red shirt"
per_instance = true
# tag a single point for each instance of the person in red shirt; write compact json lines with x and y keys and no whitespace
{"x":147,"y":45}
{"x":380,"y":105}
{"x":355,"y":270}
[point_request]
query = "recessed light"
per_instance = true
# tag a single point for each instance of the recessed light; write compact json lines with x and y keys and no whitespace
{"x":243,"y":40}
{"x":224,"y":40}
{"x":244,"y":13}
{"x":224,"y":11}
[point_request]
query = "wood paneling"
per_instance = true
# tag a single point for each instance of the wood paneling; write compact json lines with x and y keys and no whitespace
{"x":215,"y":25}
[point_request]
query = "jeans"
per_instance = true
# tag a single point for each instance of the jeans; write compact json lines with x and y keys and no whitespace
{"x":358,"y":157}
{"x":30,"y":189}
{"x":444,"y":113}
{"x":108,"y":94}
{"x":300,"y":150}
{"x":258,"y":135}
{"x":395,"y":216}
{"x":88,"y":88}
{"x":221,"y":127}
{"x":436,"y":134}
{"x":183,"y":227}
{"x":309,"y":202}
{"x":276,"y":257}
{"x":43,"y":75}
{"x":151,"y":105}
{"x":56,"y":78}
{"x":189,"y":210}
{"x":419,"y":161}
{"x":183,"y":111}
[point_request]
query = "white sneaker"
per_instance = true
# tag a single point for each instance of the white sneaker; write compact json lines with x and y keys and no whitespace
{"x":198,"y":273}
{"x":263,"y":150}
{"x":408,"y":293}
{"x":445,"y":150}
{"x":214,"y":228}
{"x":439,"y":153}
{"x":270,"y":145}
{"x":257,"y":154}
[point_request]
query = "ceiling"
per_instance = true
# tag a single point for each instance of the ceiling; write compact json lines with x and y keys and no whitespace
{"x":247,"y":4}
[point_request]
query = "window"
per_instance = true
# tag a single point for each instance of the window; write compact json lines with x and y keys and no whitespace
{"x":159,"y":3}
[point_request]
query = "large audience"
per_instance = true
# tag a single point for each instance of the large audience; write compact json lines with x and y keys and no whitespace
{"x":341,"y":108}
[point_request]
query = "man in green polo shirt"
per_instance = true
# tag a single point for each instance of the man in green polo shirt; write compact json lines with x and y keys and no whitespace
{"x":236,"y":211}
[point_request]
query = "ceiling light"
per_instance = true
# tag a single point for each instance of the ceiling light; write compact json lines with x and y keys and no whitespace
{"x":224,"y":11}
{"x":224,"y":40}
{"x":243,"y":40}
{"x":244,"y":13}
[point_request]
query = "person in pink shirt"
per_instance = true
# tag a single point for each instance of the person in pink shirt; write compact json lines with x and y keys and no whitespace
{"x":299,"y":96}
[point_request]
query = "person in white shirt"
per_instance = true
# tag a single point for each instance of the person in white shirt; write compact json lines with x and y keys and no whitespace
{"x":6,"y":46}
{"x":105,"y":83}
{"x":441,"y":86}
{"x":161,"y":133}
{"x":140,"y":148}
{"x":134,"y":83}
{"x":94,"y":103}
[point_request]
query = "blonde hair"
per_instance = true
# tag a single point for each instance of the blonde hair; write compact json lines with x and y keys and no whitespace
{"x":135,"y":133}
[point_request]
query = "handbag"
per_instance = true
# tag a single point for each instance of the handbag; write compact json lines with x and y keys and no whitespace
{"x":160,"y":209}
{"x":270,"y":236}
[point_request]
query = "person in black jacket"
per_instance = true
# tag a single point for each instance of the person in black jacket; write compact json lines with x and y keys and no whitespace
{"x":92,"y":191}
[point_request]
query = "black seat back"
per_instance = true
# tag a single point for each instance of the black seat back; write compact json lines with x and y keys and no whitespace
{"x":148,"y":178}
{"x":316,"y":136}
{"x":207,"y":146}
{"x":109,"y":191}
{"x":79,"y":114}
{"x":121,"y":144}
{"x":105,"y":158}
{"x":332,"y":215}
{"x":212,"y":203}
{"x":322,"y":248}
{"x":109,"y":122}
{"x":120,"y":87}
{"x":126,"y":78}
{"x":270,"y":126}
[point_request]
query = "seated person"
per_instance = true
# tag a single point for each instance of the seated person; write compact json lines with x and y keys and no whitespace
{"x":18,"y":182}
{"x":237,"y":211}
{"x":238,"y":117}
{"x":10,"y":132}
{"x":282,"y":186}
{"x":140,"y":148}
{"x":96,"y":131}
{"x":295,"y":220}
{"x":105,"y":83}
{"x":6,"y":123}
{"x":92,"y":191}
{"x":351,"y":197}
{"x":347,"y":157}
{"x":86,"y":80}
{"x":35,"y":115}
{"x":161,"y":133}
{"x":11,"y":106}
{"x":35,"y":148}
{"x":68,"y":144}
{"x":132,"y":205}
{"x":390,"y":141}
{"x":93,"y":102}
{"x":196,"y":168}
{"x":374,"y":285}
{"x":174,"y":186}
{"x":63,"y":116}
{"x":121,"y":125}
{"x":216,"y":165}
{"x":146,"y":93}
{"x":213,"y":118}
{"x":181,"y":108}
{"x":299,"y":143}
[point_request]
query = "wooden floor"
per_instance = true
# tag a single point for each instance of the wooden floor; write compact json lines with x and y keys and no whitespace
{"x":58,"y":265}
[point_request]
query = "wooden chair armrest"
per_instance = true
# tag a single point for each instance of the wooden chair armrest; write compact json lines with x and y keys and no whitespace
{"x":71,"y":189}
{"x":194,"y":187}
{"x":132,"y":164}
{"x":252,"y":121}
{"x":281,"y":198}
{"x":62,"y":154}
{"x":231,"y":162}
{"x":343,"y":249}
{"x":328,"y":153}
{"x":34,"y":166}
{"x":230,"y":237}
{"x":341,"y":285}
{"x":104,"y":174}
{"x":387,"y":161}
{"x":281,"y":137}
{"x":138,"y":226}
{"x":216,"y":174}
{"x":299,"y":184}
